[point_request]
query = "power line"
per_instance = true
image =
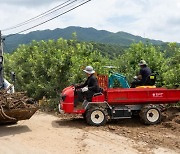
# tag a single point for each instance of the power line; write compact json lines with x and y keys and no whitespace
{"x":49,"y":19}
{"x":56,"y":8}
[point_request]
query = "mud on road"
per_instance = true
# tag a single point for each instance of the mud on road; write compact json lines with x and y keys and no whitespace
{"x":166,"y":134}
{"x":46,"y":133}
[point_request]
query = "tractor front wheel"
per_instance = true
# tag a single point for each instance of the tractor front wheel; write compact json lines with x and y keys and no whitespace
{"x":96,"y":116}
{"x":150,"y":114}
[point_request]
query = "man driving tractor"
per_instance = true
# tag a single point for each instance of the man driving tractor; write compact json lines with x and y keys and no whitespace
{"x":144,"y":73}
{"x":89,"y":88}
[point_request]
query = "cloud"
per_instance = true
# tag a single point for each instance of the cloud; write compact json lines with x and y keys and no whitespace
{"x":155,"y":19}
{"x":34,"y":3}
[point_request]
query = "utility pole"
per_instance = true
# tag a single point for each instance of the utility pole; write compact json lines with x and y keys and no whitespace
{"x":1,"y":61}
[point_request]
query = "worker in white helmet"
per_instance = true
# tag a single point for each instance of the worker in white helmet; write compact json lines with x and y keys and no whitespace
{"x":89,"y":88}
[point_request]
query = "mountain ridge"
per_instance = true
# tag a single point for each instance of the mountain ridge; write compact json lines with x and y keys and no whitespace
{"x":83,"y":34}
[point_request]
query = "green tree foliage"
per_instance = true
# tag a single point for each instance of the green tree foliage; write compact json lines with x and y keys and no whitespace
{"x":128,"y":62}
{"x":44,"y":68}
{"x":110,"y":50}
{"x":172,"y":74}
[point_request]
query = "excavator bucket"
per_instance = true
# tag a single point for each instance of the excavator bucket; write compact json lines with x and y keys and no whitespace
{"x":16,"y":106}
{"x":14,"y":115}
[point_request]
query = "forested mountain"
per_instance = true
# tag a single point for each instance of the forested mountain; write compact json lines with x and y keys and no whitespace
{"x":122,"y":39}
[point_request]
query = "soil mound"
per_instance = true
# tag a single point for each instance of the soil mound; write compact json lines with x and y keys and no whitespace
{"x":171,"y":118}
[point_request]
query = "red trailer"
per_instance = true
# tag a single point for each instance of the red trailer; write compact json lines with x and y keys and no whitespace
{"x":117,"y":103}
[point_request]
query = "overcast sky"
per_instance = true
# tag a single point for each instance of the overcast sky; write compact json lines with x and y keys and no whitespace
{"x":155,"y":19}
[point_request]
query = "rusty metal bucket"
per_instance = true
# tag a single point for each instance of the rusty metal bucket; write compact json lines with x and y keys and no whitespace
{"x":14,"y":115}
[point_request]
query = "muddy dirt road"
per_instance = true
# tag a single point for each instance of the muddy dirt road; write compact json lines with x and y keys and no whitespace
{"x":45,"y":133}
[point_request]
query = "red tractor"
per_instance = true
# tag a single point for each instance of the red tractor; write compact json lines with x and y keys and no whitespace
{"x":118,"y":103}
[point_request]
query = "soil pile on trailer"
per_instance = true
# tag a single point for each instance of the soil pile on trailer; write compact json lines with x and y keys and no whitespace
{"x":16,"y":106}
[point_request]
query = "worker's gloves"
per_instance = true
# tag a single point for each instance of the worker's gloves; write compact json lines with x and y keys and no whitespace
{"x":84,"y":89}
{"x":135,"y":77}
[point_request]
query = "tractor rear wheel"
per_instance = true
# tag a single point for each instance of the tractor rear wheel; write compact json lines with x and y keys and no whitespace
{"x":96,"y":116}
{"x":150,"y":115}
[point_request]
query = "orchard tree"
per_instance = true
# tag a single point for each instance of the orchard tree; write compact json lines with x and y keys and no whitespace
{"x":128,"y":62}
{"x":172,"y":74}
{"x":44,"y":68}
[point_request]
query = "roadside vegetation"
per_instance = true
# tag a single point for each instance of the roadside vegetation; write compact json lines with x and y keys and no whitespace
{"x":44,"y":68}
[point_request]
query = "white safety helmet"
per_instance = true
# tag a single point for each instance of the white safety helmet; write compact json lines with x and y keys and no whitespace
{"x":89,"y":70}
{"x":142,"y":62}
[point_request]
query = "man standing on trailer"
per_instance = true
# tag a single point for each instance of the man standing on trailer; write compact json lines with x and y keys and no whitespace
{"x":89,"y":88}
{"x":144,"y":73}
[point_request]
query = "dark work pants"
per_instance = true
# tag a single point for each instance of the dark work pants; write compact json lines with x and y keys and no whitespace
{"x":81,"y":96}
{"x":136,"y":83}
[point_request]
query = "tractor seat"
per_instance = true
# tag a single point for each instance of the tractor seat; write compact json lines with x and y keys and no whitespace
{"x":100,"y":92}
